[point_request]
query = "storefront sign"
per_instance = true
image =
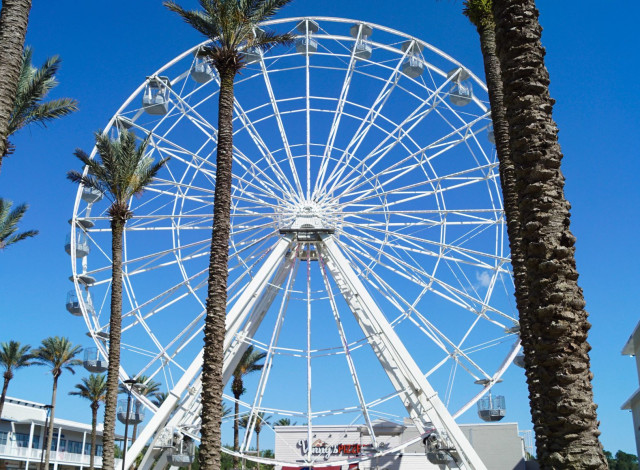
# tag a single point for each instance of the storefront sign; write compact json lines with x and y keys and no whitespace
{"x":321,"y":448}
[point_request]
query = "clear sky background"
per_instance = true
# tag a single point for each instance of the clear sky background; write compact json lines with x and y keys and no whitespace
{"x":108,"y":48}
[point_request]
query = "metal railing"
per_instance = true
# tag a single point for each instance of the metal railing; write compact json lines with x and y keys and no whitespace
{"x":11,"y":451}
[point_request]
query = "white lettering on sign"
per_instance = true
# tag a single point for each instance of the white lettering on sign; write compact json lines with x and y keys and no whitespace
{"x":321,"y":448}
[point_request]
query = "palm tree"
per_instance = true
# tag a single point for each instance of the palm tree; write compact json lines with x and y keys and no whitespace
{"x":94,"y":389}
{"x":480,"y":14}
{"x":159,"y":398}
{"x":248,"y":363}
{"x":121,"y":172}
{"x":9,"y":223}
{"x":231,"y":26}
{"x":60,"y":355}
{"x":13,"y":356}
{"x":33,"y":86}
{"x":260,"y":420}
{"x":14,"y":17}
{"x":146,"y":387}
{"x":565,"y":419}
{"x":284,"y":422}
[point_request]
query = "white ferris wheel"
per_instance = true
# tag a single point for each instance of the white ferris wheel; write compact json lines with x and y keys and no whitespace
{"x":368,"y":254}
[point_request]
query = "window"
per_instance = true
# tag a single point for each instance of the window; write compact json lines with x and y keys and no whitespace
{"x":3,"y":438}
{"x":74,"y":447}
{"x":87,"y":449}
{"x":54,"y":443}
{"x":22,"y":440}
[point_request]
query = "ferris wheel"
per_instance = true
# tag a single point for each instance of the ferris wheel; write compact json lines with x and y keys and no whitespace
{"x":368,"y":257}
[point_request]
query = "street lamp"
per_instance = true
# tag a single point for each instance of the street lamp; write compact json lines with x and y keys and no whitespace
{"x":46,"y":434}
{"x":131,"y":383}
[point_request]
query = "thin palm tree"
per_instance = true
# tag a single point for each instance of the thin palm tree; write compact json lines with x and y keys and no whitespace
{"x":564,"y":418}
{"x":33,"y":86}
{"x":94,"y":389}
{"x":13,"y":356}
{"x":248,"y":363}
{"x":59,"y":354}
{"x":121,"y":171}
{"x":145,"y":387}
{"x":261,"y":419}
{"x":14,"y":17}
{"x":231,"y":26}
{"x":9,"y":223}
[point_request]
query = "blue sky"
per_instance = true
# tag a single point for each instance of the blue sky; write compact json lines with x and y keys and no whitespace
{"x":107,"y":52}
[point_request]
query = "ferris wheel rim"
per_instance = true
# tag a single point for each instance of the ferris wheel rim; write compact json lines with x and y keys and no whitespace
{"x":182,"y":56}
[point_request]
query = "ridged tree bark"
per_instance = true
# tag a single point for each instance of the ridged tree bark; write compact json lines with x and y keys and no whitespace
{"x":14,"y":17}
{"x":480,"y":14}
{"x":215,"y":328}
{"x":49,"y":440}
{"x":564,"y":414}
{"x":8,"y":375}
{"x":94,"y":425}
{"x":115,"y":330}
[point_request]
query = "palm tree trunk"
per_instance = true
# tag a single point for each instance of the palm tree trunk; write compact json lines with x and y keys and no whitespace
{"x":117,"y":228}
{"x":214,"y":329}
{"x":564,"y":415}
{"x":7,"y":377}
{"x":14,"y":18}
{"x":258,"y":446}
{"x":47,"y":454}
{"x":486,"y":30}
{"x":94,"y":425}
{"x":236,"y":433}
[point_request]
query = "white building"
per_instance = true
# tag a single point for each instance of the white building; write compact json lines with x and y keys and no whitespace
{"x":499,"y":445}
{"x":632,"y":348}
{"x":22,"y":434}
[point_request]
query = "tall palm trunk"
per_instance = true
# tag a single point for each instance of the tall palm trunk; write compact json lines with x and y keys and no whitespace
{"x":47,"y":454}
{"x":7,"y":378}
{"x":14,"y":17}
{"x":236,"y":430}
{"x":564,"y":415}
{"x":94,"y":425}
{"x":487,"y":33}
{"x":117,"y":229}
{"x":258,"y":446}
{"x":214,"y":329}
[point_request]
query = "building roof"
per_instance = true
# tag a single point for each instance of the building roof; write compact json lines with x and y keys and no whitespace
{"x":632,"y":343}
{"x":633,"y":400}
{"x":27,"y":412}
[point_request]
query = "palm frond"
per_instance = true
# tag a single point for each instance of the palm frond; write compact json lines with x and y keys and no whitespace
{"x":33,"y":86}
{"x":9,"y":220}
{"x":199,"y":20}
{"x":121,"y":170}
{"x":264,"y":9}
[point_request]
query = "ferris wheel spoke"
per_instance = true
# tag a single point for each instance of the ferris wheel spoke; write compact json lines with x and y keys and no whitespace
{"x":409,"y":311}
{"x":266,"y":369}
{"x":462,"y":178}
{"x":453,"y":294}
{"x":262,"y":147}
{"x":443,"y":145}
{"x":337,"y":117}
{"x":364,"y":127}
{"x":278,"y":117}
{"x":347,"y":354}
{"x":416,"y":116}
{"x":419,"y":243}
{"x":419,"y":249}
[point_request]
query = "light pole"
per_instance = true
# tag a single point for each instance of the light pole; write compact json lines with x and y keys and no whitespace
{"x":46,"y":434}
{"x":131,"y":383}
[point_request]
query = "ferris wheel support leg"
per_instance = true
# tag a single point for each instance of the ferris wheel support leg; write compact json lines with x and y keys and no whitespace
{"x":235,"y":318}
{"x":419,"y":397}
